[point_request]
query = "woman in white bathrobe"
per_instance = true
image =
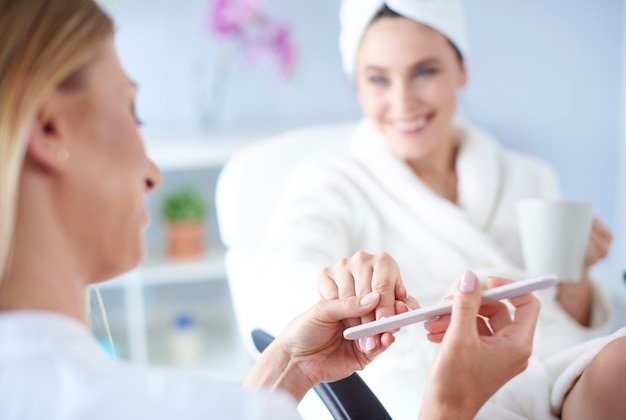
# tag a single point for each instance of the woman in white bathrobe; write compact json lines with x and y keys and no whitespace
{"x":436,"y":195}
{"x":74,"y":176}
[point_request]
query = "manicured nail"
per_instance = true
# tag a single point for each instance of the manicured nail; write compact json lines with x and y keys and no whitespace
{"x":369,"y":298}
{"x":370,"y":343}
{"x":467,"y":282}
{"x":361,"y":343}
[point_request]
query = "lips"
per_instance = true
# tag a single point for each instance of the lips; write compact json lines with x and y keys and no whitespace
{"x":411,"y":126}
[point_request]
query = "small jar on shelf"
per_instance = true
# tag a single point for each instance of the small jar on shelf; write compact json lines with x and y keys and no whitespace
{"x":185,"y":340}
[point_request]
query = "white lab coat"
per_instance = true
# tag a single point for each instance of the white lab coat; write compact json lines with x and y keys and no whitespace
{"x":367,"y":199}
{"x":51,"y":367}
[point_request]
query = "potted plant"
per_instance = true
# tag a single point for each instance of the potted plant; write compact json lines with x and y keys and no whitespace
{"x":185,"y":212}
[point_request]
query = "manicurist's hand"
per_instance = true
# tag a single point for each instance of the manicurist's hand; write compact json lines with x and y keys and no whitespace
{"x":474,"y":359}
{"x":361,"y":274}
{"x":311,"y":349}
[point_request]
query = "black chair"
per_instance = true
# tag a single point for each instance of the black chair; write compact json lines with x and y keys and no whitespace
{"x":349,"y":398}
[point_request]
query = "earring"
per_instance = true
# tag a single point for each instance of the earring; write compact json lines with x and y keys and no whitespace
{"x":63,"y":155}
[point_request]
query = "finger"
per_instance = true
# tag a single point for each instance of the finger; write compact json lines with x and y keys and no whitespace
{"x":342,"y":276}
{"x":401,"y":307}
{"x":362,"y":273}
{"x":497,"y":282}
{"x":386,"y":339}
{"x":401,"y":293}
{"x":525,"y":318}
{"x":435,"y":337}
{"x":437,"y":325}
{"x":465,"y":306}
{"x":601,"y":237}
{"x":385,"y":278}
{"x":412,"y":303}
{"x":599,"y":243}
{"x":441,"y":324}
{"x":526,"y":310}
{"x":498,"y":315}
{"x":593,"y":254}
{"x":331,"y":311}
{"x":602,"y":230}
{"x":326,"y":286}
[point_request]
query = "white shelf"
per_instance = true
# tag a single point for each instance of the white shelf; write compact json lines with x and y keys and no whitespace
{"x":188,"y":154}
{"x":159,"y":269}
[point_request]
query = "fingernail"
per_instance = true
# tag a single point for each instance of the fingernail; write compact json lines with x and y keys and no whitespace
{"x":361,"y":343}
{"x":368,"y":299}
{"x":370,"y":343}
{"x":467,"y":282}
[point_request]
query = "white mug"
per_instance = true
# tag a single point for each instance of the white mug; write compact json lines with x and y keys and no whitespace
{"x":554,"y":236}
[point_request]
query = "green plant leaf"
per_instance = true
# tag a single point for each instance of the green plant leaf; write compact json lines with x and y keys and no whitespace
{"x":184,"y":205}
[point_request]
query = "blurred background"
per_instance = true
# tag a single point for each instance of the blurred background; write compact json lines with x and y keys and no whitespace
{"x":545,"y":77}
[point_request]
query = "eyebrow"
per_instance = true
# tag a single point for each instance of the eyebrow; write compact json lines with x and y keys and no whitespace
{"x":418,"y":64}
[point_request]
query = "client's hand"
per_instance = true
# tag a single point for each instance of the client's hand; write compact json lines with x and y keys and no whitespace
{"x":361,"y":274}
{"x":311,"y":349}
{"x":475,"y":358}
{"x":576,"y":297}
{"x":600,"y":239}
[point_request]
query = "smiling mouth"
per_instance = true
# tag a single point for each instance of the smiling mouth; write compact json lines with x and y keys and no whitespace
{"x":411,"y":126}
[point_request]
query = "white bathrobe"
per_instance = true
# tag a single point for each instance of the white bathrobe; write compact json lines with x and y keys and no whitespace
{"x":367,"y":199}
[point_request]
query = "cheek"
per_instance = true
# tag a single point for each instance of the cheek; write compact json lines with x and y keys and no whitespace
{"x":441,"y":94}
{"x":372,"y":103}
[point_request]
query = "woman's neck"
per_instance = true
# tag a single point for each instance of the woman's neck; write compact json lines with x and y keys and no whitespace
{"x":43,"y":271}
{"x":37,"y":285}
{"x":438,"y":170}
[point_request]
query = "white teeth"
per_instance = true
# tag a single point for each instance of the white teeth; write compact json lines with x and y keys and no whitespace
{"x":411,"y":125}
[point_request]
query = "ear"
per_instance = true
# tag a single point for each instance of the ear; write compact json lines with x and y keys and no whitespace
{"x":47,"y":147}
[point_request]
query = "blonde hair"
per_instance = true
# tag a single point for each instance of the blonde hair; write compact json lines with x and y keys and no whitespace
{"x":44,"y":45}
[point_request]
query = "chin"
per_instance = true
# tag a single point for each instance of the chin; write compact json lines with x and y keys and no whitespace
{"x":411,"y":150}
{"x":138,"y":255}
{"x":127,"y":260}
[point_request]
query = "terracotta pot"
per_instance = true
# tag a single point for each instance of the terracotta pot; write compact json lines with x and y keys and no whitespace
{"x":185,"y":239}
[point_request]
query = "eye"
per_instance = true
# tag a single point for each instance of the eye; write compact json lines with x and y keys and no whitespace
{"x":378,"y":80}
{"x":426,"y":72}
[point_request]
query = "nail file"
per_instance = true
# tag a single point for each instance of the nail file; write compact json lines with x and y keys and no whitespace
{"x":423,"y":314}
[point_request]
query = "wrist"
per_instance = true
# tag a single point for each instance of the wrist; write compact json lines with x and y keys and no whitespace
{"x":276,"y":369}
{"x":576,"y":298}
{"x":442,"y":407}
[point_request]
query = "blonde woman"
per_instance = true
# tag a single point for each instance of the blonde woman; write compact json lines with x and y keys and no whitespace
{"x":70,"y":147}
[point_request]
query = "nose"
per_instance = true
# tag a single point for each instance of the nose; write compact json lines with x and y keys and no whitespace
{"x":402,"y":98}
{"x":154,"y":178}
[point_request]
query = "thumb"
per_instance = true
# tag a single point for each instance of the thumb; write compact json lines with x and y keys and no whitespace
{"x":348,"y":307}
{"x":465,"y":306}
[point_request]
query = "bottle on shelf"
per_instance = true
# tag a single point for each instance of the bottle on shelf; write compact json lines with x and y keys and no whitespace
{"x":185,"y":340}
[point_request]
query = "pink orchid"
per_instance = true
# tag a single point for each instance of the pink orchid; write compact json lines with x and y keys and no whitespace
{"x":243,"y":22}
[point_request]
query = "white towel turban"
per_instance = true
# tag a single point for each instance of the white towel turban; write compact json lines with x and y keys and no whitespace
{"x":445,"y":16}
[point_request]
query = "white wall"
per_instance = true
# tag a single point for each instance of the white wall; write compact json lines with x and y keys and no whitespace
{"x":546,"y":78}
{"x":165,"y":44}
